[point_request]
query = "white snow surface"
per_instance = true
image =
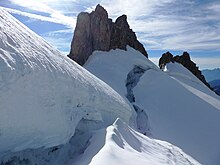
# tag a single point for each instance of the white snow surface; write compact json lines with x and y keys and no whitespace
{"x":44,"y":95}
{"x":116,"y":64}
{"x":180,"y":108}
{"x":120,"y":144}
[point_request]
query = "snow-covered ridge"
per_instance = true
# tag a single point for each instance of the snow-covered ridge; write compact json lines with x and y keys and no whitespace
{"x":180,"y":108}
{"x":44,"y":95}
{"x":116,"y":144}
{"x":120,"y":144}
{"x":52,"y":111}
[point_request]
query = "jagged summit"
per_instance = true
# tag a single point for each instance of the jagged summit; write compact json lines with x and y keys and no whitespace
{"x":95,"y":31}
{"x":186,"y":61}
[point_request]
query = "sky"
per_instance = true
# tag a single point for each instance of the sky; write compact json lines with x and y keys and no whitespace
{"x":160,"y":25}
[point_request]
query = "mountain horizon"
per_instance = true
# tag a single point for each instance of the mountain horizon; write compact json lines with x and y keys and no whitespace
{"x":159,"y":26}
{"x":117,"y":108}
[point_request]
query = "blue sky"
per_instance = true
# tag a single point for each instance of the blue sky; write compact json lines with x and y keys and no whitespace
{"x":161,"y":25}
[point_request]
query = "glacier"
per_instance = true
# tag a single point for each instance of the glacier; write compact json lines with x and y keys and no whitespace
{"x":180,"y":109}
{"x":44,"y":95}
{"x":120,"y":144}
{"x":53,"y":111}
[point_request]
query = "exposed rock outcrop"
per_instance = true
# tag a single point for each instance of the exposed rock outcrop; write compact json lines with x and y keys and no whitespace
{"x":185,"y":60}
{"x":122,"y":35}
{"x":95,"y":31}
{"x":166,"y":58}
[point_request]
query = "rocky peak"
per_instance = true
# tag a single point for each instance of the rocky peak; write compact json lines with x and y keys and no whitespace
{"x":186,"y":56}
{"x":100,"y":11}
{"x":166,"y":58}
{"x":122,"y":22}
{"x":186,"y":61}
{"x":95,"y":31}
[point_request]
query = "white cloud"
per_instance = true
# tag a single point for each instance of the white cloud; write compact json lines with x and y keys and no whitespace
{"x":134,"y":8}
{"x":171,"y":24}
{"x":207,"y":62}
{"x":214,"y":6}
{"x":201,"y":62}
{"x":61,"y":39}
{"x":40,"y":17}
{"x":33,"y":5}
{"x":62,"y":43}
{"x":155,"y":60}
{"x":160,"y":24}
{"x":42,"y":6}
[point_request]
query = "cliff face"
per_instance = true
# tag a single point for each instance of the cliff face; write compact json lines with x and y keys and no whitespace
{"x":95,"y":31}
{"x":185,"y":60}
{"x":122,"y":35}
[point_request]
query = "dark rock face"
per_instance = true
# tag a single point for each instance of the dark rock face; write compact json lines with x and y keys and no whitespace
{"x":95,"y":31}
{"x":82,"y":43}
{"x":166,"y":58}
{"x":100,"y":29}
{"x":122,"y":35}
{"x":185,"y":60}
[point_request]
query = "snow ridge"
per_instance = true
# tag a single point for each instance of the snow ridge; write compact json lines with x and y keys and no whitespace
{"x":50,"y":92}
{"x":52,"y":111}
{"x":187,"y":116}
{"x":123,"y":145}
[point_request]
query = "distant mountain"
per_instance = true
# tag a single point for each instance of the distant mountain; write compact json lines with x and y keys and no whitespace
{"x":119,"y":109}
{"x":211,"y":74}
{"x":54,"y":112}
{"x":215,"y":84}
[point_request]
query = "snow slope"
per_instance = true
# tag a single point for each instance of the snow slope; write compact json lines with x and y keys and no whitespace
{"x":120,"y":144}
{"x":44,"y":95}
{"x":52,"y":111}
{"x":177,"y":106}
{"x":116,"y":144}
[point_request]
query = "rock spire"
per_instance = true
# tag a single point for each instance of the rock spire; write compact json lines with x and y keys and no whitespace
{"x":95,"y":31}
{"x":186,"y":61}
